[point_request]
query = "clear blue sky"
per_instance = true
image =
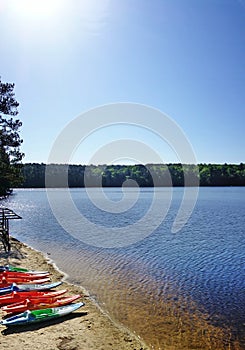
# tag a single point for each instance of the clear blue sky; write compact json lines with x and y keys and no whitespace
{"x":184,"y":57}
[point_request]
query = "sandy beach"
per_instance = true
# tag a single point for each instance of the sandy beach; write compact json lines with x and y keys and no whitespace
{"x":88,"y":328}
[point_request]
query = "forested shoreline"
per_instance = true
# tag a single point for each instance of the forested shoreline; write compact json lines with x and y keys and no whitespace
{"x":149,"y":175}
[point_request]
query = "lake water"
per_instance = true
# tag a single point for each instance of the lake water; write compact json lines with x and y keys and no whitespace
{"x":204,"y":262}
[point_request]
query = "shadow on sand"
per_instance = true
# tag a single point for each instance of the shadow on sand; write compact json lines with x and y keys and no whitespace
{"x":37,"y":326}
{"x":15,"y":251}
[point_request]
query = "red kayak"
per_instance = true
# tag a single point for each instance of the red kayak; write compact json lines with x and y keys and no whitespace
{"x":14,"y":274}
{"x":35,"y":304}
{"x":5,"y":282}
{"x":16,"y":297}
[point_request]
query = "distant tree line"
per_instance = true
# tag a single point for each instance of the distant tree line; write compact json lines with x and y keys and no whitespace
{"x":128,"y":175}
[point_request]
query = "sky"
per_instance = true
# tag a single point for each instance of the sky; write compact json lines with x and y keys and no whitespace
{"x":185,"y":58}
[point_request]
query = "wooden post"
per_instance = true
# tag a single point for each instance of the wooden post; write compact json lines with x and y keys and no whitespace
{"x":6,"y":215}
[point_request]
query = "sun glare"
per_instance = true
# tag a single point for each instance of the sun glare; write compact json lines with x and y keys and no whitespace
{"x":35,"y":9}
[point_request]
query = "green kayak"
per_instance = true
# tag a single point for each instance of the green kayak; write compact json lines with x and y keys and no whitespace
{"x":12,"y":268}
{"x":28,"y":316}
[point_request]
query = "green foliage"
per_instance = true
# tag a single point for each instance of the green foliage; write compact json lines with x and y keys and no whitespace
{"x":10,"y":142}
{"x":222,"y":174}
{"x":158,"y":175}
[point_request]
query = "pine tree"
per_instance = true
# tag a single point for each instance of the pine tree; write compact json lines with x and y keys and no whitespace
{"x":10,"y":141}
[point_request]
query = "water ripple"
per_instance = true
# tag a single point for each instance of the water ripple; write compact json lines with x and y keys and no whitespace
{"x":204,"y":262}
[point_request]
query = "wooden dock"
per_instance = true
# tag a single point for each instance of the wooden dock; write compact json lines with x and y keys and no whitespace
{"x":6,"y":215}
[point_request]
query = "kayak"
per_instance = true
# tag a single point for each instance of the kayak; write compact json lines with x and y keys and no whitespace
{"x":16,"y":297}
{"x":20,"y":269}
{"x":18,"y":274}
{"x":6,"y":282}
{"x":40,"y":315}
{"x":28,"y":287}
{"x":35,"y":304}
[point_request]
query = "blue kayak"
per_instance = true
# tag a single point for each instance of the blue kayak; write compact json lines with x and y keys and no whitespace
{"x":28,"y":287}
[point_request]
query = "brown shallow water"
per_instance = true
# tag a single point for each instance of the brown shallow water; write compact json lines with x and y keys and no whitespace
{"x":171,"y":322}
{"x":86,"y":328}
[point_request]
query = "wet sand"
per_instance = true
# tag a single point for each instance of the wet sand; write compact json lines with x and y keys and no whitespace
{"x":88,"y":328}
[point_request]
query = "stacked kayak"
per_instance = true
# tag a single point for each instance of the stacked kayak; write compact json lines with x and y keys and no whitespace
{"x":9,"y":277}
{"x":20,"y":269}
{"x":39,"y":303}
{"x":28,"y":287}
{"x":40,"y":315}
{"x":16,"y":297}
{"x":26,"y":294}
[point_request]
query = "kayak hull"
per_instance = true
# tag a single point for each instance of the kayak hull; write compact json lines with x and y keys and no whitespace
{"x":6,"y":282}
{"x":18,"y":274}
{"x":20,"y":269}
{"x":17,"y":297}
{"x":35,"y":304}
{"x":41,"y":315}
{"x":26,"y":287}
